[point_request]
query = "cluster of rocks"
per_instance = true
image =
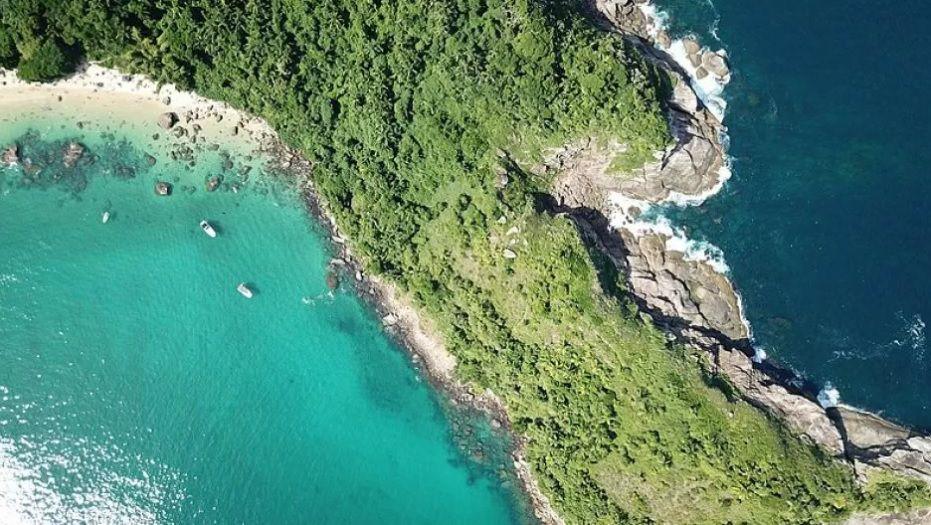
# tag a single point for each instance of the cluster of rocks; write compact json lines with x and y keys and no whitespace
{"x":72,"y":154}
{"x":705,"y":61}
{"x":186,"y":130}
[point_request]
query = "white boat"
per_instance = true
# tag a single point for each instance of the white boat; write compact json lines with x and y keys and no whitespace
{"x":244,"y":290}
{"x":208,"y":229}
{"x":105,"y":217}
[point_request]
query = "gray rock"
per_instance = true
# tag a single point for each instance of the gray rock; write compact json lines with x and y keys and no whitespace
{"x":914,"y":517}
{"x":800,"y":414}
{"x":877,"y":442}
{"x":694,"y":59}
{"x":691,"y":46}
{"x":167,"y":120}
{"x":163,"y":188}
{"x":715,"y":63}
{"x":681,"y":288}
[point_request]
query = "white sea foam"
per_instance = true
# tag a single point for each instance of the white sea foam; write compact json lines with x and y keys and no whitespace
{"x":709,"y":89}
{"x":676,"y":240}
{"x":828,"y":397}
{"x":759,"y":355}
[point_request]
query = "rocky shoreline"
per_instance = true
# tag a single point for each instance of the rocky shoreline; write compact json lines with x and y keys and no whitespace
{"x":690,"y":299}
{"x":413,"y":332}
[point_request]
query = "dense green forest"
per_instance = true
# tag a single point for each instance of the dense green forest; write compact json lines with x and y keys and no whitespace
{"x":409,"y":110}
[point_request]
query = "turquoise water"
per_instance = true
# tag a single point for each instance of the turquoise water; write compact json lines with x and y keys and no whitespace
{"x":138,"y":386}
{"x":825,"y":223}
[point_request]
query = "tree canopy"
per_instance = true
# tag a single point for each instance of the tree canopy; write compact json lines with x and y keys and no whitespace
{"x":409,"y":109}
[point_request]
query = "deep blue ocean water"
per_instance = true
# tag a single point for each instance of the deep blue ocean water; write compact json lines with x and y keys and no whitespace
{"x":137,"y":385}
{"x":825,"y":224}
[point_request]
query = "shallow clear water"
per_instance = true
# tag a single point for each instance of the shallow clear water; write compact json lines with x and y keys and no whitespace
{"x":137,"y":385}
{"x":825,"y":223}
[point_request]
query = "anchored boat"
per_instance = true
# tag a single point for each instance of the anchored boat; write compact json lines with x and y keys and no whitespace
{"x":244,"y":290}
{"x":105,"y":217}
{"x":208,"y":229}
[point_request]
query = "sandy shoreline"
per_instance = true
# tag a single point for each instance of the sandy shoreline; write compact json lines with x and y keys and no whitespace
{"x":95,"y":92}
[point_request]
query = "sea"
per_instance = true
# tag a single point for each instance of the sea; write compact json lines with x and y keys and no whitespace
{"x":137,"y":386}
{"x":824,"y":224}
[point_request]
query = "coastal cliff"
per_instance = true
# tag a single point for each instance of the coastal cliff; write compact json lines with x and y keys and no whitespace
{"x":689,"y":297}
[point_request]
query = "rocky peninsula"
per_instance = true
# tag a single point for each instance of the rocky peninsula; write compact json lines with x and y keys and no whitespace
{"x":692,"y":300}
{"x":511,"y":291}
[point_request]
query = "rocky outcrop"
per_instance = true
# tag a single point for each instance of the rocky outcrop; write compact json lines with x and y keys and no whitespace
{"x":72,"y":154}
{"x":212,"y":183}
{"x":915,"y":517}
{"x":10,"y":156}
{"x":684,"y":289}
{"x":695,"y":303}
{"x":692,"y":166}
{"x":801,"y":414}
{"x":874,"y":441}
{"x":167,"y":120}
{"x":625,"y":16}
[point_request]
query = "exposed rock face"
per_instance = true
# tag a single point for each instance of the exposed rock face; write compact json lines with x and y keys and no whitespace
{"x":802,"y":415}
{"x":681,"y":288}
{"x":915,"y":517}
{"x":167,"y":120}
{"x":690,"y":167}
{"x":72,"y":154}
{"x":625,"y":15}
{"x":874,"y":441}
{"x":10,"y":156}
{"x":715,"y":63}
{"x":698,"y":305}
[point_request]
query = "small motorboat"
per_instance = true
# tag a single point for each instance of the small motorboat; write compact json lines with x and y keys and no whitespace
{"x":208,"y":229}
{"x":244,"y":290}
{"x":105,"y":217}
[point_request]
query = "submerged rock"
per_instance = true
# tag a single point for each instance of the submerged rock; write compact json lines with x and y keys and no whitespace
{"x":332,"y":280}
{"x":163,"y":188}
{"x":73,"y":153}
{"x":10,"y":155}
{"x":167,"y":120}
{"x":213,"y":183}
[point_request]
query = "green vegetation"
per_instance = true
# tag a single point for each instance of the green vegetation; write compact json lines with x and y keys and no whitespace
{"x":408,"y":108}
{"x":46,"y":62}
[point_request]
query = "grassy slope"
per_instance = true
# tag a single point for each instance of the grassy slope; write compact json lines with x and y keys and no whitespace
{"x":403,"y":107}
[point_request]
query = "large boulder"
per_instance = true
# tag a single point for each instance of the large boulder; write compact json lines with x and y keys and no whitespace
{"x":163,"y":188}
{"x":715,"y":63}
{"x":881,"y":443}
{"x":167,"y":120}
{"x":213,"y":183}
